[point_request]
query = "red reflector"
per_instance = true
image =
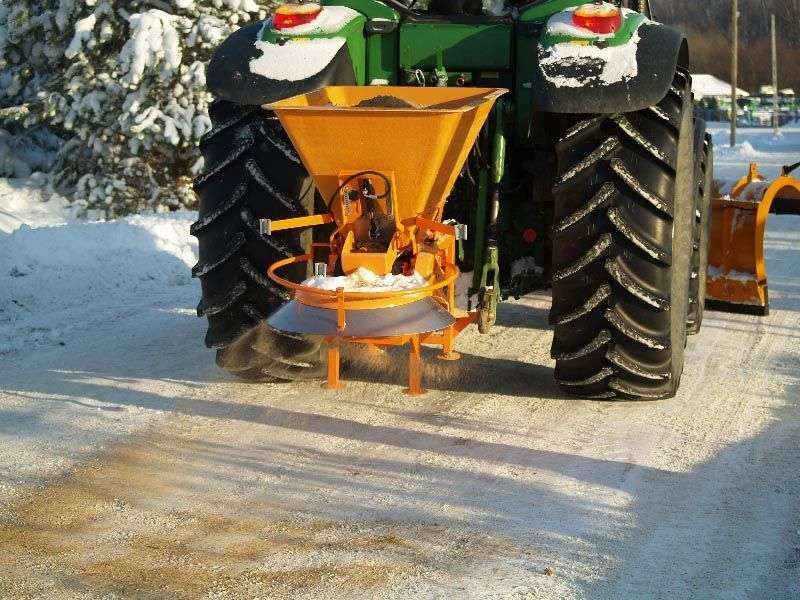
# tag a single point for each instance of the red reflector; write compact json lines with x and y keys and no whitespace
{"x":529,"y":235}
{"x":599,"y":18}
{"x":292,"y":15}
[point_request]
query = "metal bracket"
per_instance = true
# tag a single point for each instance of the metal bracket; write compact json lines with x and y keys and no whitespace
{"x":489,"y":291}
{"x":441,"y":76}
{"x":380,"y":26}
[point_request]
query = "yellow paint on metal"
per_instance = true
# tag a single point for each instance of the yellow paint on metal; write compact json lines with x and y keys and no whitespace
{"x":737,"y":273}
{"x":424,"y":145}
{"x":300,"y":222}
{"x":419,"y":149}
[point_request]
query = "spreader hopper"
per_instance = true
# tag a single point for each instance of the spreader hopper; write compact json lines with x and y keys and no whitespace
{"x":418,"y":136}
{"x":384,"y":160}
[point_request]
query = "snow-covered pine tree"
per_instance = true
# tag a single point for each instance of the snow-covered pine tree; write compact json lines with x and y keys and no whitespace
{"x":123,"y":82}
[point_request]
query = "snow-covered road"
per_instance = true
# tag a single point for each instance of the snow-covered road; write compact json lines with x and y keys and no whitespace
{"x":131,"y":467}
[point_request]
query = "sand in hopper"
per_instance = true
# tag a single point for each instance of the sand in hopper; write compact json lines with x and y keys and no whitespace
{"x":384,"y":101}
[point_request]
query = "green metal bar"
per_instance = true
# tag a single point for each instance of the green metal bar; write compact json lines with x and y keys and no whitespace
{"x":498,"y":143}
{"x":485,"y":261}
{"x":489,"y":290}
{"x":498,"y":168}
{"x":480,"y":226}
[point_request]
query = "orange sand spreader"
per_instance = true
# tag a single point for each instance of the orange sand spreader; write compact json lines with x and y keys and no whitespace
{"x":384,"y":160}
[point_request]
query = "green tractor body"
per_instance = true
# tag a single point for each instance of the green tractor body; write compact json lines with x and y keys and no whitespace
{"x":561,"y":79}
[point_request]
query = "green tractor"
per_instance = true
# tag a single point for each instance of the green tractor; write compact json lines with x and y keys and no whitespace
{"x":591,"y":176}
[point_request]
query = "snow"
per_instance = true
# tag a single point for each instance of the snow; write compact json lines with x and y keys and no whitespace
{"x":364,"y":280}
{"x":296,"y":59}
{"x":83,"y":31}
{"x":753,"y":191}
{"x":709,"y":85}
{"x":496,"y":8}
{"x":57,"y":280}
{"x":744,"y":149}
{"x":757,"y":145}
{"x":130,"y":462}
{"x":717,"y":273}
{"x":24,"y":202}
{"x":602,"y":66}
{"x":154,"y":40}
{"x":22,"y":155}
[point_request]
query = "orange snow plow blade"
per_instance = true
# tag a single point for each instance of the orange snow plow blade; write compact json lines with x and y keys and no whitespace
{"x":737,"y":276}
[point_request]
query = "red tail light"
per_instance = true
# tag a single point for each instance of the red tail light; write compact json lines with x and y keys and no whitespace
{"x":292,"y":15}
{"x":529,"y":235}
{"x":599,"y":18}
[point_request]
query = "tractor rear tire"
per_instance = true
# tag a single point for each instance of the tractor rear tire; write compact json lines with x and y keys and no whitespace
{"x":251,"y":172}
{"x":622,"y":248}
{"x":704,"y":173}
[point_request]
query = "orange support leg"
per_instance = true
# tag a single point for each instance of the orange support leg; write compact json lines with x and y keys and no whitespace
{"x":448,"y":342}
{"x":415,"y":368}
{"x":333,"y":382}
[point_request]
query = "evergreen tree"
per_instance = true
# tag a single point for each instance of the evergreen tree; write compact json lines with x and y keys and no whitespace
{"x":123,"y":83}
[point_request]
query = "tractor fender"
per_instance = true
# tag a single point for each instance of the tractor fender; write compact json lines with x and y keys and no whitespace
{"x":577,"y":84}
{"x":229,"y":77}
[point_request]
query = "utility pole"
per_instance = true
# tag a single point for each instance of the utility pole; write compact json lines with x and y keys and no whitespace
{"x":775,"y":111}
{"x":734,"y":65}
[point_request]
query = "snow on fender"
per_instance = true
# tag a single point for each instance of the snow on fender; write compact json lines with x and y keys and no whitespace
{"x":302,"y":57}
{"x":586,"y":64}
{"x":296,"y":59}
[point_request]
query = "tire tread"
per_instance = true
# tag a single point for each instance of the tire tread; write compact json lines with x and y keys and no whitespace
{"x":612,"y":255}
